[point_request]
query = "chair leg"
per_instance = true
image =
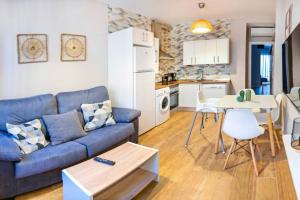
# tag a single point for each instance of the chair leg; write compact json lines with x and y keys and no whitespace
{"x":257,"y":147}
{"x":191,"y":129}
{"x":276,"y":138}
{"x":253,"y":157}
{"x":232,"y":147}
{"x":202,"y":122}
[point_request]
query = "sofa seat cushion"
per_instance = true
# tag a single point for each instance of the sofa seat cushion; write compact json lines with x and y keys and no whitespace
{"x":50,"y":158}
{"x":101,"y":139}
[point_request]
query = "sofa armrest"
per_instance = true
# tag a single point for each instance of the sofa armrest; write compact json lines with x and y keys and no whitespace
{"x":125,"y":115}
{"x":9,"y":150}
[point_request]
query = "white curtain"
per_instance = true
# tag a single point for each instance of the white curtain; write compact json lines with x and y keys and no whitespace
{"x":265,"y":66}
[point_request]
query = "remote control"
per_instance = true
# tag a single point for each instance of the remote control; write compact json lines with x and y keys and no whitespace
{"x":105,"y":161}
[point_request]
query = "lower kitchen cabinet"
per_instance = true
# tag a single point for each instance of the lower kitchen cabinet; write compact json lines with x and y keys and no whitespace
{"x":188,"y":92}
{"x":188,"y":95}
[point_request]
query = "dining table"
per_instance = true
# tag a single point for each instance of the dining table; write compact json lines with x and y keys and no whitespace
{"x":257,"y":103}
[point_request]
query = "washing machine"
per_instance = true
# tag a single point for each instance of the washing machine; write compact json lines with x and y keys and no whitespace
{"x":162,"y":105}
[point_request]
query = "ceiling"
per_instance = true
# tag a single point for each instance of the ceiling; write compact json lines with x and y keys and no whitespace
{"x":179,"y":11}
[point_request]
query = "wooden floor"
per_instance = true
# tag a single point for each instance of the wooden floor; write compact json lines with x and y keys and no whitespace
{"x":197,"y":173}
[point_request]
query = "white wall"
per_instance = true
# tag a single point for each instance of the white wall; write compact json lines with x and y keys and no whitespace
{"x":52,"y":17}
{"x":281,"y":8}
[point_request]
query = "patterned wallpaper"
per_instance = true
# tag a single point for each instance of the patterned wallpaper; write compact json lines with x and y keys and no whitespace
{"x":119,"y":18}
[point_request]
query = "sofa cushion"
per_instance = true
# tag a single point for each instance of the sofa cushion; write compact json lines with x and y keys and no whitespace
{"x":17,"y":111}
{"x":97,"y":115}
{"x":28,"y":136}
{"x":9,"y":150}
{"x":64,"y":127}
{"x":101,"y":139}
{"x":68,"y":101}
{"x":50,"y":158}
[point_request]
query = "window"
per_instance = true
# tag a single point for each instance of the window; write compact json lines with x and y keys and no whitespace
{"x":265,"y":66}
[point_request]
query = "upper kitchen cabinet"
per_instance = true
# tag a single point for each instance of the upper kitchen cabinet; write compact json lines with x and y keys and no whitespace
{"x":194,"y":52}
{"x":206,"y":52}
{"x":142,"y":37}
{"x":223,"y":49}
{"x":188,"y":53}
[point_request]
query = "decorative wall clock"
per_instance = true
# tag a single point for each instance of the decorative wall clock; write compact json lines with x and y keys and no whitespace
{"x":73,"y":47}
{"x":32,"y":48}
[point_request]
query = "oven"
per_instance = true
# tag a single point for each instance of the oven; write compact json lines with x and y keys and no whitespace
{"x":174,"y":97}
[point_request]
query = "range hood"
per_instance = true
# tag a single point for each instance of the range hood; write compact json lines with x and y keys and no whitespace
{"x":165,"y":56}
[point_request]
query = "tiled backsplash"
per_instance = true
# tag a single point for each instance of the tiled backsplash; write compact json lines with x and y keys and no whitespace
{"x":119,"y":18}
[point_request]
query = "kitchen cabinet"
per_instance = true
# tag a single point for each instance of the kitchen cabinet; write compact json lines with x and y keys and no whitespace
{"x":188,"y":95}
{"x":188,"y":53}
{"x":142,"y":37}
{"x":156,"y":49}
{"x":206,"y":52}
{"x":199,"y":49}
{"x":188,"y":92}
{"x":210,"y":52}
{"x":223,"y":55}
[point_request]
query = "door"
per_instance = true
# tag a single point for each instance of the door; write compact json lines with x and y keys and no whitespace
{"x":222,"y":51}
{"x":211,"y":51}
{"x":144,"y":58}
{"x":142,"y":37}
{"x":199,"y":48}
{"x":144,"y":99}
{"x":188,"y":53}
{"x":188,"y":95}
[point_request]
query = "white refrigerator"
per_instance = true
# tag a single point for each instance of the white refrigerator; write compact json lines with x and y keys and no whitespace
{"x":131,"y":77}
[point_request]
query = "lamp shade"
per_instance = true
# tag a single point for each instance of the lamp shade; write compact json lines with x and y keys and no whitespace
{"x":201,"y":26}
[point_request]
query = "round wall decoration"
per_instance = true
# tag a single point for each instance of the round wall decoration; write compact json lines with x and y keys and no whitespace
{"x":32,"y":48}
{"x":73,"y":47}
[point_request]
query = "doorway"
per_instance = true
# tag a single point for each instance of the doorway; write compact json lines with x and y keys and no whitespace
{"x":261,"y":67}
{"x":260,"y":43}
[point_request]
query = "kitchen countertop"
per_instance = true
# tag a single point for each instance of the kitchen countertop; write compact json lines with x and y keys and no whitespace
{"x":158,"y":85}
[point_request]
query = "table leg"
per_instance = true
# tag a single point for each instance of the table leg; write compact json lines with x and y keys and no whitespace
{"x":219,"y":131}
{"x":271,"y":129}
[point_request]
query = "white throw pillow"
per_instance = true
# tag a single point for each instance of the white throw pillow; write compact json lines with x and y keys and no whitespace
{"x":97,"y":115}
{"x":28,"y":136}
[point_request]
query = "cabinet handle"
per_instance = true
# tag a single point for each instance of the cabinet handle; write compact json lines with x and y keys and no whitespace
{"x":218,"y":60}
{"x":143,"y":36}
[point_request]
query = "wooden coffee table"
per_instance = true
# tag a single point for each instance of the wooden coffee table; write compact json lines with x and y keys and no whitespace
{"x":136,"y":166}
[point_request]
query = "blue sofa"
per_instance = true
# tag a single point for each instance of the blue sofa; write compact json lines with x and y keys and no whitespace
{"x":20,"y":174}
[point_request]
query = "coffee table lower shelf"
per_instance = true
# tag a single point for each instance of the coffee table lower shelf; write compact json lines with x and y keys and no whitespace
{"x":128,"y":187}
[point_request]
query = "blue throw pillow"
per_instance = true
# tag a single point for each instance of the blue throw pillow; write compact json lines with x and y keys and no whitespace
{"x":64,"y":127}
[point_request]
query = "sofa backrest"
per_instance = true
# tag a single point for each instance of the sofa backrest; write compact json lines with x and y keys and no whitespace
{"x":68,"y":101}
{"x":16,"y":111}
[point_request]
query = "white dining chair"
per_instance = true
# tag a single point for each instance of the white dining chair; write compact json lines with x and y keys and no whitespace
{"x":295,"y":90}
{"x":275,"y":114}
{"x":241,"y":125}
{"x":205,"y":105}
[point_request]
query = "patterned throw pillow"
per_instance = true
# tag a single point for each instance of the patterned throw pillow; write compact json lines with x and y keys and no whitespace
{"x":28,"y":136}
{"x":97,"y":115}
